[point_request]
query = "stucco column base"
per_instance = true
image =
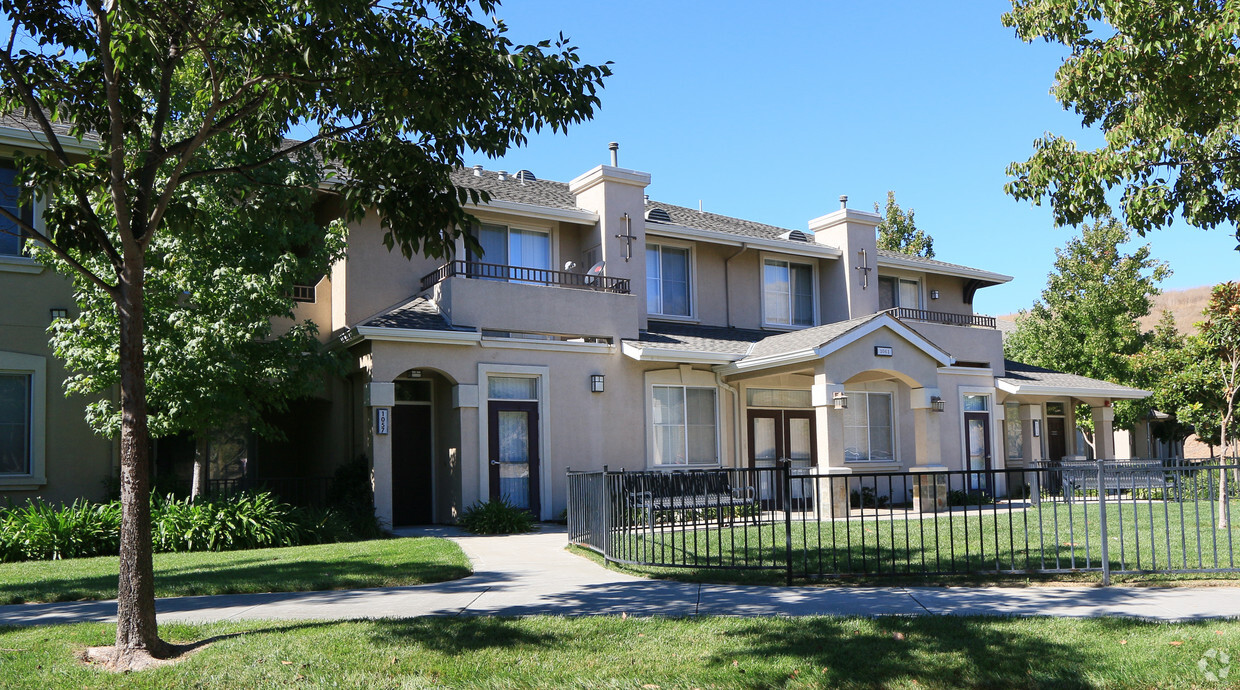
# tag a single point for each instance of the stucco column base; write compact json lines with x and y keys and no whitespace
{"x":833,"y":491}
{"x":929,"y":488}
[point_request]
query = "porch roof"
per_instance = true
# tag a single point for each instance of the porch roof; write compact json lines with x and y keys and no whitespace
{"x":1021,"y":378}
{"x":417,"y":314}
{"x":684,"y":342}
{"x":820,"y":341}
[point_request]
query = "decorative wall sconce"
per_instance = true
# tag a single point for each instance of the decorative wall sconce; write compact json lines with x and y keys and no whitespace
{"x":840,"y":401}
{"x":934,"y":294}
{"x":596,"y":383}
{"x":59,"y":314}
{"x":937,"y":404}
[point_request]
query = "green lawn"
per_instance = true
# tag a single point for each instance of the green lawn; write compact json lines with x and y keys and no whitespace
{"x":379,"y":563}
{"x":609,"y":652}
{"x":1046,"y":536}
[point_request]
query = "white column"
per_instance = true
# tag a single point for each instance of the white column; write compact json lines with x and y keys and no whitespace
{"x":1104,"y":438}
{"x":829,"y":423}
{"x":381,"y":396}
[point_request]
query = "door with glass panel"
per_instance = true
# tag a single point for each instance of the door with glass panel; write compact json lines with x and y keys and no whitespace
{"x":977,"y":441}
{"x":514,"y":254}
{"x":514,"y":453}
{"x":776,"y":435}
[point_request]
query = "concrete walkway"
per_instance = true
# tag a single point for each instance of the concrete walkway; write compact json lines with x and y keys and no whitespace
{"x":533,"y":574}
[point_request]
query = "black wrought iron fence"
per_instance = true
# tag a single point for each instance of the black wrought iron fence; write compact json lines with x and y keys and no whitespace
{"x":1110,"y":517}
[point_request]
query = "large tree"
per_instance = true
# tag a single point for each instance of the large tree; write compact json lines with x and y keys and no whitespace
{"x":392,"y":95}
{"x":898,"y":231}
{"x":222,"y":351}
{"x":1159,"y":79}
{"x":1086,"y":322}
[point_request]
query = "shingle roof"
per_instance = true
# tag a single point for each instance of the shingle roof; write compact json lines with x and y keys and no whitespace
{"x":418,"y":314}
{"x":1021,"y":374}
{"x":694,"y":338}
{"x":806,"y":339}
{"x":540,"y":192}
{"x":922,"y":260}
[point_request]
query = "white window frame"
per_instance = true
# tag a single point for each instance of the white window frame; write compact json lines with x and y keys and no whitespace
{"x":690,"y":283}
{"x":865,"y":394}
{"x":36,"y":368}
{"x":548,"y":230}
{"x":684,"y":377}
{"x":813,"y":279}
{"x":906,"y":278}
{"x":20,"y":263}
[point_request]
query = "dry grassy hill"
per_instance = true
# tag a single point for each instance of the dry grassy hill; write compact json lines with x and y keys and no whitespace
{"x":1185,"y":304}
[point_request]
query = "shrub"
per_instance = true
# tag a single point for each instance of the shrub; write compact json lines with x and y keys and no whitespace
{"x":867,"y":498}
{"x":497,"y":516}
{"x":240,"y":521}
{"x":38,"y":531}
{"x":973,"y":497}
{"x":352,"y":505}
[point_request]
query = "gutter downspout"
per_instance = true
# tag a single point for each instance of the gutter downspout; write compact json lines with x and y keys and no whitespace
{"x":736,"y":418}
{"x":727,"y":284}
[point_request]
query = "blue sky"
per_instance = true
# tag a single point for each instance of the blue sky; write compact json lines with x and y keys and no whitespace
{"x":771,"y":111}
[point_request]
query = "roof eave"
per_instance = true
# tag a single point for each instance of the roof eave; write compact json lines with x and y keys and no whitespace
{"x":677,"y":231}
{"x":958,"y":271}
{"x":664,"y":354}
{"x":1014,"y":388}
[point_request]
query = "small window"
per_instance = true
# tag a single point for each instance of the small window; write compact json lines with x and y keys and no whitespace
{"x":976,"y":403}
{"x":869,"y":427}
{"x":1054,"y":409}
{"x":667,"y":281}
{"x":413,"y":391}
{"x":1014,"y":434}
{"x":685,"y":430}
{"x":15,"y":422}
{"x":512,"y":388}
{"x":788,"y":293}
{"x":775,"y":397}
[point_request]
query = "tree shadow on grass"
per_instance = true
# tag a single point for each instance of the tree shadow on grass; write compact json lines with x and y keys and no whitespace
{"x":460,"y":635}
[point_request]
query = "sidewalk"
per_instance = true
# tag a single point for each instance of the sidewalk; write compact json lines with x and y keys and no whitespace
{"x":532,"y":574}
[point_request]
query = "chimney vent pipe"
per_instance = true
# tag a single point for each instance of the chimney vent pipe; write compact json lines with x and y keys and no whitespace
{"x":843,"y":201}
{"x":477,"y":171}
{"x":502,"y":175}
{"x":614,"y":147}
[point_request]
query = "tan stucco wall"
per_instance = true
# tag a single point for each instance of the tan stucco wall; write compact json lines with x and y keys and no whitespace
{"x":77,"y":462}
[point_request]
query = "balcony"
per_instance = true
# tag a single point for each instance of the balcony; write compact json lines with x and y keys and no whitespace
{"x":527,"y":276}
{"x":513,"y":298}
{"x":942,"y":317}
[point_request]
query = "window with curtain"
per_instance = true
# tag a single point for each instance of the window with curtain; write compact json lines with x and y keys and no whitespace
{"x":511,"y":248}
{"x":869,"y":432}
{"x":15,"y":423}
{"x":667,"y":281}
{"x":788,"y":293}
{"x":898,"y":292}
{"x":685,"y":427}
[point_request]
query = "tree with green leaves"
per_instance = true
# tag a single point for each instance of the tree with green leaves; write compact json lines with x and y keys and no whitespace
{"x":1159,"y":79}
{"x":1086,"y":322}
{"x":1178,"y":370}
{"x":898,"y":232}
{"x":1221,"y":334}
{"x":176,"y":95}
{"x":217,"y":279}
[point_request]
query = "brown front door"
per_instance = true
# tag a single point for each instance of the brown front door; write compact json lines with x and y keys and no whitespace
{"x":514,"y":456}
{"x":977,"y":449}
{"x":1056,"y":443}
{"x":783,"y":435}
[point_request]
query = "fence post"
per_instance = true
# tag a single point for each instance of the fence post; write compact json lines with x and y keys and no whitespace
{"x":1102,"y":522}
{"x":606,"y":510}
{"x":787,"y":496}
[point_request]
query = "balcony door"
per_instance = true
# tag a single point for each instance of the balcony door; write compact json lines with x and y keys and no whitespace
{"x":517,"y":255}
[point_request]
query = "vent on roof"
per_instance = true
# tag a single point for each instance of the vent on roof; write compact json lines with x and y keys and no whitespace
{"x":796,"y":236}
{"x":658,"y":215}
{"x":526,"y":176}
{"x":477,"y":171}
{"x":502,"y":175}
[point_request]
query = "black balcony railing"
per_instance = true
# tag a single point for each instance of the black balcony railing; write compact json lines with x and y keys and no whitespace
{"x":942,"y":317}
{"x":521,"y":274}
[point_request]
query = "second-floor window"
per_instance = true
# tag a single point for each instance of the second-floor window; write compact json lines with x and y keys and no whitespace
{"x":787,"y":293}
{"x":667,"y":280}
{"x":513,"y":247}
{"x":898,"y":292}
{"x":11,"y":242}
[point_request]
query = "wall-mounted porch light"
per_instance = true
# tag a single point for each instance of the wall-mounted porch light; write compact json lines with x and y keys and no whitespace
{"x":596,"y":383}
{"x":937,"y":404}
{"x":934,"y":294}
{"x":840,"y":401}
{"x":59,"y":314}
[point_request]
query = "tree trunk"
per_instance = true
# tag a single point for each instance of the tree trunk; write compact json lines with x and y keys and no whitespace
{"x":1222,"y":477}
{"x":136,"y":630}
{"x":199,"y":486}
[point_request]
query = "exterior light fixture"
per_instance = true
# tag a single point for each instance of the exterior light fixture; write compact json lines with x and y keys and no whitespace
{"x":596,"y":383}
{"x":59,"y":314}
{"x":934,"y":294}
{"x":937,"y":404}
{"x":840,"y":401}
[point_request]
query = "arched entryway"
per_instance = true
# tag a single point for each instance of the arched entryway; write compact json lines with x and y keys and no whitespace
{"x":422,"y":432}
